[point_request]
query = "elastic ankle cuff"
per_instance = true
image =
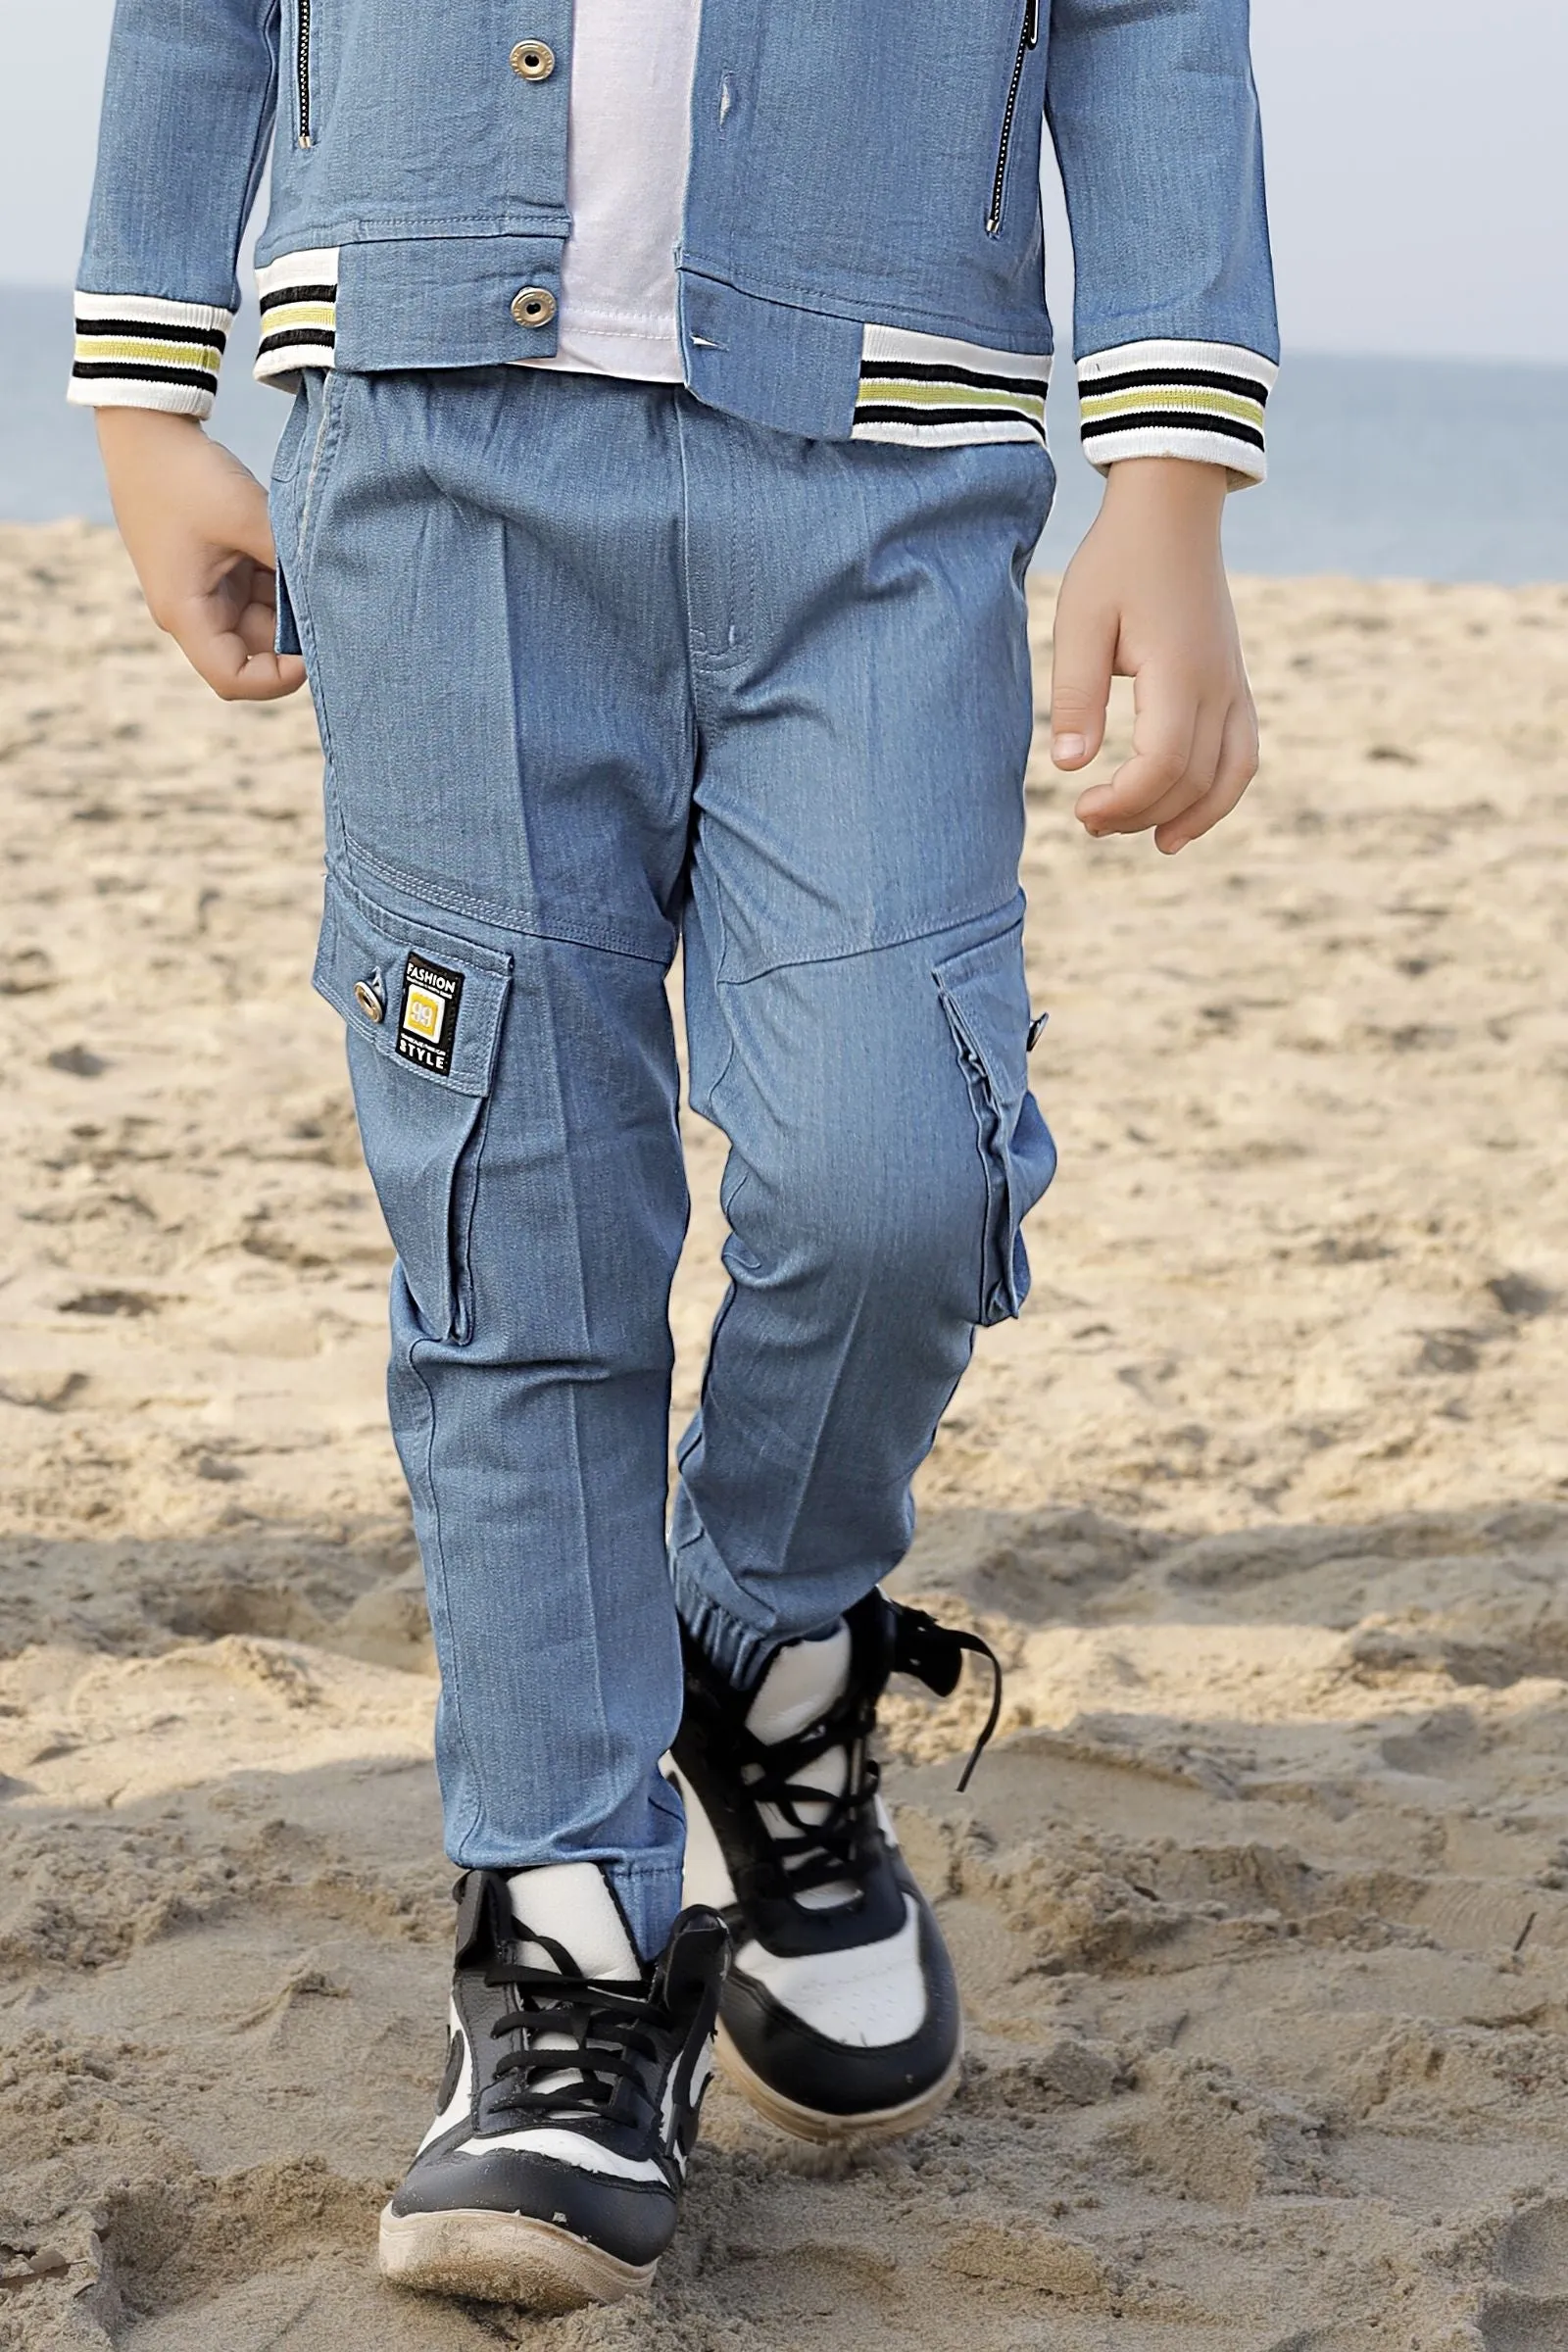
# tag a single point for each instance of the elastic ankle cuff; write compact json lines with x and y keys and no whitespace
{"x":739,"y":1653}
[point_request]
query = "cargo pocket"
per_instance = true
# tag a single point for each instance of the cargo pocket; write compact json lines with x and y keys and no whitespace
{"x":987,"y":1005}
{"x":423,"y":1009}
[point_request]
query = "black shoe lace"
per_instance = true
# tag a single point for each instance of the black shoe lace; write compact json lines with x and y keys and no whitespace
{"x":825,"y":1850}
{"x":934,"y":1654}
{"x":603,"y":2032}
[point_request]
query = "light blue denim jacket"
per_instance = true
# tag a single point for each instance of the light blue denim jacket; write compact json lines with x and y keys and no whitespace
{"x":862,"y":254}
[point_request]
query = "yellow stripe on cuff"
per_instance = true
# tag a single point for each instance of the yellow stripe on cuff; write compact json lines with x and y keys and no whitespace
{"x":1179,"y":399}
{"x":149,"y":354}
{"x":910,"y":394}
{"x":289,"y":315}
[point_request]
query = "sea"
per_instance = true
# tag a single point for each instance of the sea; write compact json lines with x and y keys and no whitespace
{"x":1435,"y":470}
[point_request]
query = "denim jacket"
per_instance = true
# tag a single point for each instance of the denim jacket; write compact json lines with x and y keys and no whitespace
{"x":862,"y":253}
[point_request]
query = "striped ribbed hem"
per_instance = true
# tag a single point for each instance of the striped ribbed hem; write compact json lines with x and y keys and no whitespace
{"x":297,"y":296}
{"x":1177,"y":399}
{"x":139,"y":351}
{"x":932,"y":392}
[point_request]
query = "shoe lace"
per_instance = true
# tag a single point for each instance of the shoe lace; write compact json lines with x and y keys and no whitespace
{"x":934,"y":1654}
{"x":824,"y":1849}
{"x":591,"y":2034}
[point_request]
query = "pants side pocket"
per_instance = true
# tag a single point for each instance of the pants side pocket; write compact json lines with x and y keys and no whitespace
{"x":423,"y":1009}
{"x":986,"y":1000}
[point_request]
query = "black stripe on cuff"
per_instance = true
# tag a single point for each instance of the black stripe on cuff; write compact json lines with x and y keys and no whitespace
{"x":887,"y":411}
{"x":275,"y":301}
{"x":138,"y":371}
{"x":1171,"y":420}
{"x":289,"y":338}
{"x":907,"y":371}
{"x":1202,"y":379}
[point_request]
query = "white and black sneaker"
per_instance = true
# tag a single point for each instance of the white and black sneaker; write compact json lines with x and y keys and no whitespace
{"x":840,"y":2015}
{"x":552,"y":2176}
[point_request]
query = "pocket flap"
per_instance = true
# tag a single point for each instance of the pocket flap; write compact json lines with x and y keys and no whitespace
{"x":986,"y":998}
{"x":421,"y":995}
{"x":987,"y":1003}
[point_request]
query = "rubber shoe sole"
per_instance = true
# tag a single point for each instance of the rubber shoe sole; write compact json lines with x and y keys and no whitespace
{"x":503,"y":2258}
{"x":816,"y":2123}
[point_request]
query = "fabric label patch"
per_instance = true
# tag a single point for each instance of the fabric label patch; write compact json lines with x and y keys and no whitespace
{"x":427,"y":1025}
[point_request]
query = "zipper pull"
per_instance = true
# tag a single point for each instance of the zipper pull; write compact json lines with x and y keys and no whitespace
{"x":1031,"y":24}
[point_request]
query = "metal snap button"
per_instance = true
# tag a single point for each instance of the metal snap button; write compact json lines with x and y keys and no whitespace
{"x":534,"y":61}
{"x":369,"y":1002}
{"x":535,"y":305}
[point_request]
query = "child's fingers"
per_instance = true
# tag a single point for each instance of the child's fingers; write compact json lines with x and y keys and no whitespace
{"x":237,"y":659}
{"x":266,"y":676}
{"x":1235,"y":770}
{"x":241,"y":520}
{"x":1196,"y":779}
{"x":252,"y":531}
{"x":257,"y":626}
{"x":1148,"y":790}
{"x":239,"y":675}
{"x":1164,"y":740}
{"x":1083,"y":653}
{"x":227,"y":633}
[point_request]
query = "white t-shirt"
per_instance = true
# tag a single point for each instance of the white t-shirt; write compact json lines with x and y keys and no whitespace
{"x":628,"y":146}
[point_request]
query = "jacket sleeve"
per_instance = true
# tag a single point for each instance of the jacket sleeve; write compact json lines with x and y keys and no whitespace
{"x":1152,"y":111}
{"x":187,"y":115}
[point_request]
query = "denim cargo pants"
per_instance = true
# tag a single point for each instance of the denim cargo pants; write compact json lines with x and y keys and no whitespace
{"x":600,"y":672}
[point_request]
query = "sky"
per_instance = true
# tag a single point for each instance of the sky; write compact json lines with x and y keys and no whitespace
{"x":1415,"y":149}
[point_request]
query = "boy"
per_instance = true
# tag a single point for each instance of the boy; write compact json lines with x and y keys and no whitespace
{"x":666,"y":455}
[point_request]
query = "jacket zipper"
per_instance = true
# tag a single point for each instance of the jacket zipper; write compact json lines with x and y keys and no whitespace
{"x":302,"y":59}
{"x":1028,"y":35}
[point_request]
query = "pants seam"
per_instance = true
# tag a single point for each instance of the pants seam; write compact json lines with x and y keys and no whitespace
{"x":435,"y":893}
{"x":1007,"y":913}
{"x":438,"y":1552}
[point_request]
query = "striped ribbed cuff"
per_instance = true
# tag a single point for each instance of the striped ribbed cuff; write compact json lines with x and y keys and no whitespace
{"x":139,"y":351}
{"x":298,"y":295}
{"x":930,"y":391}
{"x":1203,"y":400}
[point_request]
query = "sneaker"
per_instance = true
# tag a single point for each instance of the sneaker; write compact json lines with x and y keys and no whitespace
{"x":840,"y":2015}
{"x":552,"y":2176}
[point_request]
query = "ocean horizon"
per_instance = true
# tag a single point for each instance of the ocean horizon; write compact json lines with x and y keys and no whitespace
{"x":1438,"y":469}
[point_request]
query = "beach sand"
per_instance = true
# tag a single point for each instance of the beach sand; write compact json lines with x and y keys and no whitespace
{"x":1260,"y":1902}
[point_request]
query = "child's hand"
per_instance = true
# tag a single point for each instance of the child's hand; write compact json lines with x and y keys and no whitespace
{"x":195,"y":523}
{"x":1145,"y":596}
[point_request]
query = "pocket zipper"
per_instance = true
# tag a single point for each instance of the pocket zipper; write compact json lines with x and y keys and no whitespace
{"x":1028,"y":35}
{"x":302,"y":61}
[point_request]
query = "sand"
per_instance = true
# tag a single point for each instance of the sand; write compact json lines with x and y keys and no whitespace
{"x":1260,"y":1903}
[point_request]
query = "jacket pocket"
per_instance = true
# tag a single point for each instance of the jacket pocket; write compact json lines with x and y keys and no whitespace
{"x":1028,"y":35}
{"x":987,"y":1003}
{"x":423,"y":1009}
